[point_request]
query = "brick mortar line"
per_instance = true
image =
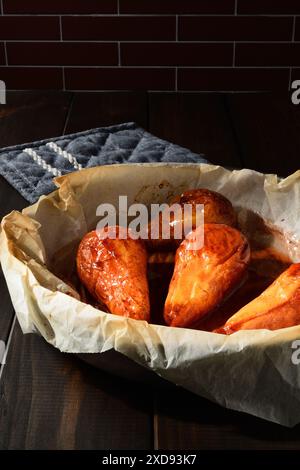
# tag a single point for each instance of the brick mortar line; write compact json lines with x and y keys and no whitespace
{"x":5,"y":53}
{"x":128,"y":90}
{"x":105,"y":15}
{"x":294,"y":29}
{"x":119,"y":54}
{"x":63,"y":79}
{"x":138,"y":41}
{"x":60,"y":29}
{"x":164,"y":67}
{"x":233,"y":55}
{"x":149,"y":15}
{"x":233,"y":51}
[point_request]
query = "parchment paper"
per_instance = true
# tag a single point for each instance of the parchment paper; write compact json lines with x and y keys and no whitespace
{"x":250,"y":371}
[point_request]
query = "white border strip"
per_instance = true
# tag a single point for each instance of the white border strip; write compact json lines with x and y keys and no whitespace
{"x":3,"y":362}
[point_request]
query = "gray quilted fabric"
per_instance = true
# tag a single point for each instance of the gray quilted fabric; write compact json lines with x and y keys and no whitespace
{"x":102,"y":146}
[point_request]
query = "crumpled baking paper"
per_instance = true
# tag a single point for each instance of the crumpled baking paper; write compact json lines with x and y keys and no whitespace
{"x":249,"y":371}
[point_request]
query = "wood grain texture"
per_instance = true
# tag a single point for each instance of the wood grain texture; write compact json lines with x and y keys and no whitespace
{"x":105,"y":109}
{"x":51,"y":400}
{"x":199,"y":122}
{"x":185,"y":421}
{"x":30,"y":116}
{"x":267,"y":127}
{"x":7,"y":311}
{"x":27,"y":116}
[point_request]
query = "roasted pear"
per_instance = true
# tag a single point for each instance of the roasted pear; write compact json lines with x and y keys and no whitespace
{"x":203,"y":278}
{"x":114,"y":271}
{"x":277,"y":307}
{"x":217,"y":209}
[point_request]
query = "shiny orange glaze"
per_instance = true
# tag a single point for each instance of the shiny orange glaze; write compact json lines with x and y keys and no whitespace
{"x":204,"y":278}
{"x":217,"y":210}
{"x":277,"y":307}
{"x":114,"y":271}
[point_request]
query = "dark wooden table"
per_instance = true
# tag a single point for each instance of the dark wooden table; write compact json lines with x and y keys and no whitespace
{"x":50,"y":400}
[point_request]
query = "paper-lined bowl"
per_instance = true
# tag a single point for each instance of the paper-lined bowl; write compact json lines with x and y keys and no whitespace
{"x":250,"y":371}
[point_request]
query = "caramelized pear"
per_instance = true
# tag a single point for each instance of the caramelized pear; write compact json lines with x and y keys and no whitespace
{"x":217,"y":210}
{"x":277,"y":307}
{"x":114,"y":271}
{"x":203,"y":278}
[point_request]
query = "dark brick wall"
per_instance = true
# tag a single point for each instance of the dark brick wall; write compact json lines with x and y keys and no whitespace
{"x":181,"y":45}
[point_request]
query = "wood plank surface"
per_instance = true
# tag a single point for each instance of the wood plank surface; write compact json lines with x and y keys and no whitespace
{"x":199,"y":122}
{"x":267,"y":127}
{"x":185,"y":421}
{"x":91,"y":110}
{"x":51,"y":400}
{"x":27,"y":116}
{"x":30,"y":116}
{"x":10,"y":200}
{"x":266,"y":139}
